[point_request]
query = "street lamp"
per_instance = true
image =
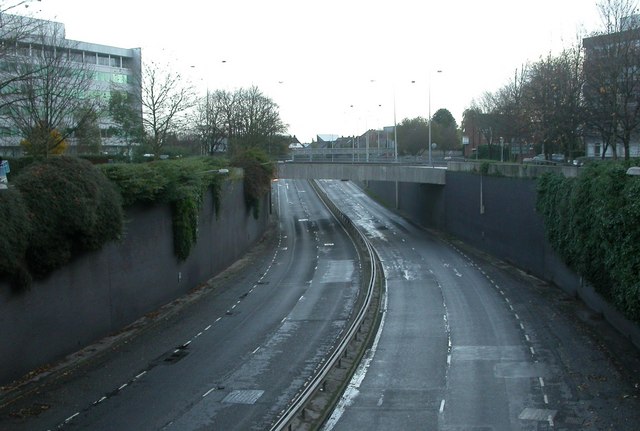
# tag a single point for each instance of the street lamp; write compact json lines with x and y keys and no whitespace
{"x":395,"y":129}
{"x":429,"y":143}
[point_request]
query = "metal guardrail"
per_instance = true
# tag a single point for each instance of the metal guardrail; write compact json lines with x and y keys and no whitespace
{"x":303,"y":397}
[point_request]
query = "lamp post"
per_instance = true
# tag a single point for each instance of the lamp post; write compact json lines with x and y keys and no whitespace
{"x":429,"y":143}
{"x":395,"y":129}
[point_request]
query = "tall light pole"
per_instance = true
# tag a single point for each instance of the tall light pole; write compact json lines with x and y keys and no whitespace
{"x":395,"y":128}
{"x":429,"y":143}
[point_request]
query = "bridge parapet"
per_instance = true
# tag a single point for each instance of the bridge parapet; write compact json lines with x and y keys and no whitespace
{"x":363,"y":172}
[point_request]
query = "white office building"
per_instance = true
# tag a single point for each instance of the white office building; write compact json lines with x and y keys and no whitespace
{"x":112,"y":68}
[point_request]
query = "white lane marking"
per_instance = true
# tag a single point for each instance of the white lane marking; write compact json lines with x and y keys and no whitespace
{"x":218,"y":319}
{"x":441,"y":406}
{"x":527,"y":337}
{"x":208,"y":392}
{"x":207,"y":328}
{"x":70,"y":418}
{"x":380,"y":400}
{"x":522,"y":326}
{"x":517,"y":317}
{"x":123,"y":386}
{"x":546,"y":399}
{"x":255,"y":350}
{"x":541,"y":380}
{"x":187,"y":343}
{"x":448,"y":359}
{"x":141,"y":374}
{"x":533,"y":352}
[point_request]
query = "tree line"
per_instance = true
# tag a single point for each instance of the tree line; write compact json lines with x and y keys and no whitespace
{"x":589,"y":90}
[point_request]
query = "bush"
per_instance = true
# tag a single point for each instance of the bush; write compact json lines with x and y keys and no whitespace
{"x":258,"y":172}
{"x":180,"y":183}
{"x":72,"y":208}
{"x":592,"y":222}
{"x":14,"y":235}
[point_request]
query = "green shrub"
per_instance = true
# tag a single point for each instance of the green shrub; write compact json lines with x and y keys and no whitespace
{"x":258,"y":172}
{"x":592,"y":222}
{"x":14,"y":236}
{"x":72,"y":208}
{"x":138,"y":183}
{"x":180,"y":183}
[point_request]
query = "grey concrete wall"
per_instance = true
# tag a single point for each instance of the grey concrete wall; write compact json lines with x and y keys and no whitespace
{"x":508,"y":227}
{"x":101,"y":292}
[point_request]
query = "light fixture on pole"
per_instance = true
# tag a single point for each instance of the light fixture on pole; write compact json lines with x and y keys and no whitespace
{"x":395,"y":129}
{"x":429,"y":143}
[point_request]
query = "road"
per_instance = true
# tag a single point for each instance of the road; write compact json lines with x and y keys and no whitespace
{"x":231,"y":358}
{"x":470,"y":343}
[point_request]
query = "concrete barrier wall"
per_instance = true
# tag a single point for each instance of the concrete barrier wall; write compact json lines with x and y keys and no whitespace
{"x":101,"y":292}
{"x":494,"y":214}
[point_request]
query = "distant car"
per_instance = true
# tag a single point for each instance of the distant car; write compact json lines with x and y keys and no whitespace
{"x":539,"y":159}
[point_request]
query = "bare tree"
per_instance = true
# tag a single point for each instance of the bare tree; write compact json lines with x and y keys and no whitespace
{"x":211,"y":122}
{"x":126,"y":118}
{"x":165,"y":104}
{"x":258,"y":120}
{"x":51,"y":98}
{"x":246,"y":118}
{"x":553,"y":100}
{"x":14,"y":29}
{"x":612,"y":75}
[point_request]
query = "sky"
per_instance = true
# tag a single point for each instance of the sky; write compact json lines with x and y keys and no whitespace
{"x":337,"y":66}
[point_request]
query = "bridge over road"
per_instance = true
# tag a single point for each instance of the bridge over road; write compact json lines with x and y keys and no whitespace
{"x":363,"y":172}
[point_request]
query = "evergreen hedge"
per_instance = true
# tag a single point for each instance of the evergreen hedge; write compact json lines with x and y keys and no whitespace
{"x":593,"y":222}
{"x":71,"y":207}
{"x":258,"y":172}
{"x":14,"y":240}
{"x":181,"y":183}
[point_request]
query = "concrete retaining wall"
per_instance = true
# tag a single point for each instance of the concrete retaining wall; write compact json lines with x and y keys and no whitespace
{"x":100,"y":293}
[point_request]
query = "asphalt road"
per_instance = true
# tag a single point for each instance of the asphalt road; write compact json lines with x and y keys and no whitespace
{"x":470,"y":343}
{"x":230,"y":357}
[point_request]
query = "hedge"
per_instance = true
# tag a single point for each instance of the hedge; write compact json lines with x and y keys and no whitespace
{"x":593,"y":222}
{"x":71,"y":207}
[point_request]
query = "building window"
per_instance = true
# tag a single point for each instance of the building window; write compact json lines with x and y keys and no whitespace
{"x":596,"y":150}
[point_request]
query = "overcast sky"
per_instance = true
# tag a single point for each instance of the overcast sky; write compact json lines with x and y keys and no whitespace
{"x":336,"y":66}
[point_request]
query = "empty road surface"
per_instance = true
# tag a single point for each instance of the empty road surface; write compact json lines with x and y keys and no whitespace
{"x":469,"y":344}
{"x":230,"y":360}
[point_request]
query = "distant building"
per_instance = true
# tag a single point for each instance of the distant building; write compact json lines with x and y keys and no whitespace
{"x":294,"y":143}
{"x":113,"y":69}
